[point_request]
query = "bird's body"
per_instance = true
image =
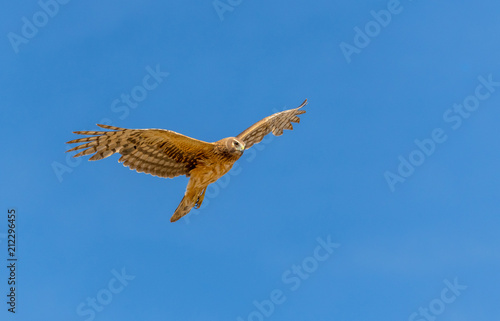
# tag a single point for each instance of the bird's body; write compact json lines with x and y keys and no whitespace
{"x":207,"y":172}
{"x":165,"y":153}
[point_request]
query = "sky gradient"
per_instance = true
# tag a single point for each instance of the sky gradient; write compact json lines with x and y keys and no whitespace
{"x":382,"y":204}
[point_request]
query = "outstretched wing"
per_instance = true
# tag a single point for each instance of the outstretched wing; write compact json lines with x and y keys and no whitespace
{"x":274,"y":123}
{"x":157,"y":152}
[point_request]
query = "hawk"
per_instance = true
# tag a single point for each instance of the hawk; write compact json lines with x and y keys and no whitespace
{"x":165,"y":153}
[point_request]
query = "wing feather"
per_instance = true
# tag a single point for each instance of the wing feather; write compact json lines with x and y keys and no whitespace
{"x":274,"y":123}
{"x":158,"y":152}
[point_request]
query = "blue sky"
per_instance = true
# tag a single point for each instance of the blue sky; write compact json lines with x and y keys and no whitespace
{"x":382,"y":204}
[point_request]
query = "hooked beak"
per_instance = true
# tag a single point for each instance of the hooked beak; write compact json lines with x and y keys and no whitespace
{"x":241,"y":148}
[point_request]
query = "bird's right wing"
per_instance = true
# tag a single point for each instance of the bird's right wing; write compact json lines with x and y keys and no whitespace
{"x":158,"y":152}
{"x":274,"y":123}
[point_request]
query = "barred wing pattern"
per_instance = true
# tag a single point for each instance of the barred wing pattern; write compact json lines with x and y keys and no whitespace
{"x":158,"y":152}
{"x":275,"y":123}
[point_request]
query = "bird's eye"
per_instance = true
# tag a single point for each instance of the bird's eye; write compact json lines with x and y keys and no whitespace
{"x":236,"y":143}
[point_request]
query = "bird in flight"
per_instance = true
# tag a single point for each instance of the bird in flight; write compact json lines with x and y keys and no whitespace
{"x":165,"y":153}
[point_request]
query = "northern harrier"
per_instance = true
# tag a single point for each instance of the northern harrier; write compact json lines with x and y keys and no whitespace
{"x":165,"y":153}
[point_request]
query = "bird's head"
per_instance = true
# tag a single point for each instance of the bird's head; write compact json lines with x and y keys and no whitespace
{"x":234,"y":145}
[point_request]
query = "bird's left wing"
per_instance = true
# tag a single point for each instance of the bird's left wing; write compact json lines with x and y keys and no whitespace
{"x":274,"y":123}
{"x":158,"y":152}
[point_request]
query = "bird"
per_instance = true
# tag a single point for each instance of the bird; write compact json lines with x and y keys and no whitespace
{"x":165,"y":153}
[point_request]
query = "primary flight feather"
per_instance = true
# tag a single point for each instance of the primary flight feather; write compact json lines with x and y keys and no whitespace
{"x":165,"y":153}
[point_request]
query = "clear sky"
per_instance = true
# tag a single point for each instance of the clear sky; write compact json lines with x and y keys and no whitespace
{"x":382,"y":204}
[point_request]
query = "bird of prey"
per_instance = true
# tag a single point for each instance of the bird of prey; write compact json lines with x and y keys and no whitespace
{"x":165,"y":153}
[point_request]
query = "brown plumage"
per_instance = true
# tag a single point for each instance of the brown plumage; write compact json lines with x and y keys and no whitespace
{"x":165,"y":153}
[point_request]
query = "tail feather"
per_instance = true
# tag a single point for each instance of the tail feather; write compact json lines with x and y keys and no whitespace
{"x":184,"y":207}
{"x":192,"y":198}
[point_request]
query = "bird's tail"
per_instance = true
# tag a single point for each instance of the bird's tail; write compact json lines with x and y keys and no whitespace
{"x":193,"y":198}
{"x":184,"y":207}
{"x":195,"y":192}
